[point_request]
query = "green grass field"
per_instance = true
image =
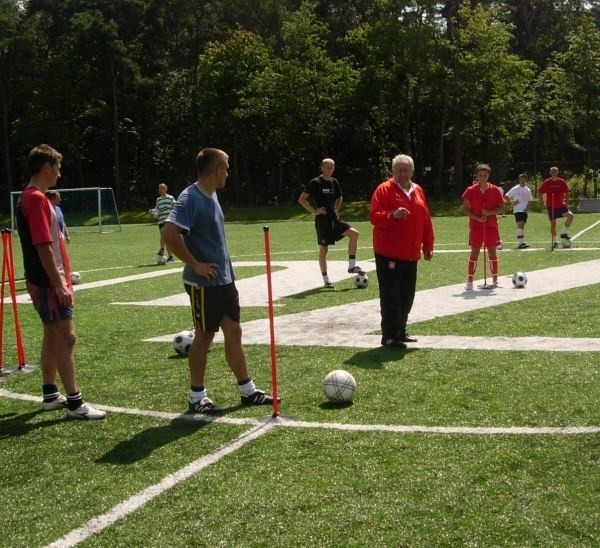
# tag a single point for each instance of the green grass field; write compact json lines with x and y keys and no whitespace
{"x":324,"y":475}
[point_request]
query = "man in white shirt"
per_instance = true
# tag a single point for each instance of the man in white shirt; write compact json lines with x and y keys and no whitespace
{"x":520,"y":196}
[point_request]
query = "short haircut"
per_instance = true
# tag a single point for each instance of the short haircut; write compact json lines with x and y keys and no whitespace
{"x":403,"y":159}
{"x":41,"y":155}
{"x":524,"y":175}
{"x":328,"y":161}
{"x":51,"y":194}
{"x":483,"y":167}
{"x":208,"y":159}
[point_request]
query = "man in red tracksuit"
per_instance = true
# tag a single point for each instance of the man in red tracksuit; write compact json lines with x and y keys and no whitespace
{"x":402,"y":228}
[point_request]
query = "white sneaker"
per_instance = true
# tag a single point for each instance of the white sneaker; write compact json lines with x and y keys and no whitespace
{"x":86,"y":412}
{"x":469,"y":286}
{"x":60,"y":402}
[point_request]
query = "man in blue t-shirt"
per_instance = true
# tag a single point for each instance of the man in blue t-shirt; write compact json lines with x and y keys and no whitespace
{"x":195,"y":233}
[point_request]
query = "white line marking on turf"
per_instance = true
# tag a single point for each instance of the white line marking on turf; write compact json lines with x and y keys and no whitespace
{"x":289,"y":422}
{"x":99,"y":523}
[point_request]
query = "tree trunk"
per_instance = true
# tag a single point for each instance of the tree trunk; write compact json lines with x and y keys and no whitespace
{"x":116,"y":143}
{"x":5,"y":140}
{"x":458,"y":153}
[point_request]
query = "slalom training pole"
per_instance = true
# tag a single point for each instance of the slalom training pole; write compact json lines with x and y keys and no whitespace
{"x":271,"y":324}
{"x":485,"y":284}
{"x":552,"y":222}
{"x":4,"y":259}
{"x":13,"y":297}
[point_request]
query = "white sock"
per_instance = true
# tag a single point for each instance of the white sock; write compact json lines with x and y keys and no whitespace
{"x":197,"y":396}
{"x":565,"y":230}
{"x":351,"y":263}
{"x":325,"y":278}
{"x":248,"y":388}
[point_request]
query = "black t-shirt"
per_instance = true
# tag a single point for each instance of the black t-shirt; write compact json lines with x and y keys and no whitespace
{"x":323,"y":193}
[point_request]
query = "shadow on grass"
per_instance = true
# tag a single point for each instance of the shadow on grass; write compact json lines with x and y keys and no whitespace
{"x":144,"y":443}
{"x":335,"y":405}
{"x":376,"y":358}
{"x":13,"y":424}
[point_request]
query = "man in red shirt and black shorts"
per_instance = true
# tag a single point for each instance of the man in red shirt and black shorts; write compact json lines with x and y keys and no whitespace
{"x":554,"y":192}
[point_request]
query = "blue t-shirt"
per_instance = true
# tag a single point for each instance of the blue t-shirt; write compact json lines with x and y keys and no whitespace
{"x":200,"y":218}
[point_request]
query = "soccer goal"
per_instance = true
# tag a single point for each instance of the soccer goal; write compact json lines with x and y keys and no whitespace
{"x":86,"y":209}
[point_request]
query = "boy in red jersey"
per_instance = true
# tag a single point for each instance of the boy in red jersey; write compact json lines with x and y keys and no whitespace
{"x":48,"y":276}
{"x":482,"y":201}
{"x":554,"y":192}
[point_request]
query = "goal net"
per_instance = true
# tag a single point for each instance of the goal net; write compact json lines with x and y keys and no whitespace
{"x":85,"y":209}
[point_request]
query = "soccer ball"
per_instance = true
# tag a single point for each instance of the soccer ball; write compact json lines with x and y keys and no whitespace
{"x":154,"y":213}
{"x":182,"y":342}
{"x":519,"y":280}
{"x":566,"y":243}
{"x":161,"y":259}
{"x":361,"y":280}
{"x":339,"y":386}
{"x":75,"y":278}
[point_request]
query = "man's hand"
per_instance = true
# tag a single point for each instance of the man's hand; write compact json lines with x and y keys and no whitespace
{"x":208,"y":270}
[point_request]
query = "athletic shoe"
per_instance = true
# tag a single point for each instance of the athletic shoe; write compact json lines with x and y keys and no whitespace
{"x":407,"y":339}
{"x":565,"y":236}
{"x":205,"y":406}
{"x":328,"y":285}
{"x":161,"y":251}
{"x":60,"y":402}
{"x":258,"y":398}
{"x":523,"y":246}
{"x":170,"y":259}
{"x":356,"y":270}
{"x":393,"y":343}
{"x":85,"y":412}
{"x":554,"y":245}
{"x":499,"y":247}
{"x":469,"y":286}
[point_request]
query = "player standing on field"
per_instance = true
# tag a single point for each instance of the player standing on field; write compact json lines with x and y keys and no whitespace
{"x":322,"y":197}
{"x":482,"y":201}
{"x":195,"y":232}
{"x":164,"y":205}
{"x":48,"y":276}
{"x":554,"y":192}
{"x":520,"y":197}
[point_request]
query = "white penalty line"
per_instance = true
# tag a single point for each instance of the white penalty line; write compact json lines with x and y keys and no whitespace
{"x":284,"y":421}
{"x":99,"y":523}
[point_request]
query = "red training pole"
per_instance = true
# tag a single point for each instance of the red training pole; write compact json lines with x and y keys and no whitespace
{"x":4,"y":259}
{"x":552,"y":222}
{"x":484,"y":257}
{"x":271,"y":324}
{"x":13,"y":296}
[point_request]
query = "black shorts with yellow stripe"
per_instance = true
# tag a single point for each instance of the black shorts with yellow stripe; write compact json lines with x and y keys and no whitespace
{"x":211,"y":304}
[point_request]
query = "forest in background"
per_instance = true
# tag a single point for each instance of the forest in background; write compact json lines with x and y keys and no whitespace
{"x":129,"y":90}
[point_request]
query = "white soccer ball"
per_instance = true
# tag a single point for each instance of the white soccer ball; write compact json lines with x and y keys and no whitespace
{"x":339,"y":386}
{"x":161,"y":259}
{"x":566,"y":243}
{"x":182,"y":342}
{"x":361,"y":280}
{"x":154,"y":213}
{"x":519,"y":280}
{"x":75,"y":278}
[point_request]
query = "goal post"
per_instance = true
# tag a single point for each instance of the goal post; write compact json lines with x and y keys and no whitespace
{"x":85,"y":209}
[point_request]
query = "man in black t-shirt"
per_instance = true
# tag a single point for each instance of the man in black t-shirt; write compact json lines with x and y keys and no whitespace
{"x":322,"y":197}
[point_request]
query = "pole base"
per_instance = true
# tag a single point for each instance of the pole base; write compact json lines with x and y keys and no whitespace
{"x":23,"y":368}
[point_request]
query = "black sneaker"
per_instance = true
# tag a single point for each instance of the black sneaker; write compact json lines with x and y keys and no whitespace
{"x":393,"y":343}
{"x":407,"y":339}
{"x":523,"y":246}
{"x":161,"y":251}
{"x":565,"y":236}
{"x":258,"y":398}
{"x":356,"y":270}
{"x":328,"y":285}
{"x":554,"y":245}
{"x":205,"y":406}
{"x":170,"y":259}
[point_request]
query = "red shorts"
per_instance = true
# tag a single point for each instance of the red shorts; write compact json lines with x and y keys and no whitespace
{"x":492,"y":237}
{"x":45,"y":301}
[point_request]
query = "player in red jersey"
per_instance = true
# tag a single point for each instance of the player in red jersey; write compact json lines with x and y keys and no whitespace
{"x":554,"y":192}
{"x":482,"y":201}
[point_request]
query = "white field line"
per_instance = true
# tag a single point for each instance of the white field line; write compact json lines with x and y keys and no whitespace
{"x":283,"y":421}
{"x":585,"y":230}
{"x":101,"y":522}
